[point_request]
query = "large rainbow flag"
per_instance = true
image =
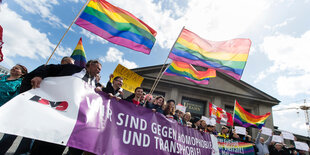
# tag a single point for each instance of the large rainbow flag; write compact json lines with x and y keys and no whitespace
{"x":247,"y":119}
{"x":229,"y":56}
{"x":187,"y":71}
{"x":79,"y":55}
{"x":117,"y":26}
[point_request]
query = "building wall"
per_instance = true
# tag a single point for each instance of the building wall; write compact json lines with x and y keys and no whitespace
{"x":4,"y":70}
{"x":221,"y":91}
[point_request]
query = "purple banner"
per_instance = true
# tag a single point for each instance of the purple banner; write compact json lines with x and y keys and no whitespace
{"x":108,"y":126}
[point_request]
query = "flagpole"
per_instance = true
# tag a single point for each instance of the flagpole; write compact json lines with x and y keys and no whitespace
{"x":162,"y":74}
{"x":67,"y":31}
{"x":159,"y":74}
{"x":234,"y":114}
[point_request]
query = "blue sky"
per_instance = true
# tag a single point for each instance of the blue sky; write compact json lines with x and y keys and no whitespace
{"x":279,"y":29}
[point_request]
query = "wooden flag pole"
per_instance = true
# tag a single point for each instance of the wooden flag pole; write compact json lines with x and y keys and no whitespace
{"x":67,"y":31}
{"x":160,"y":74}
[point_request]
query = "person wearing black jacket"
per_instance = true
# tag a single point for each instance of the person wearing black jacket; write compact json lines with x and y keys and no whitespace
{"x":34,"y":79}
{"x":278,"y":149}
{"x":114,"y":89}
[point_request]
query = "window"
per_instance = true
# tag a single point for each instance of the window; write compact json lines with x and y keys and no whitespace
{"x":194,"y":106}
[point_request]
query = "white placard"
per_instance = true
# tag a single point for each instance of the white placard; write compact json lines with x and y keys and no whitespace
{"x":301,"y":146}
{"x":212,"y":121}
{"x":206,"y":119}
{"x":276,"y":138}
{"x":266,"y":131}
{"x":288,"y":135}
{"x":240,"y":130}
{"x":181,"y":108}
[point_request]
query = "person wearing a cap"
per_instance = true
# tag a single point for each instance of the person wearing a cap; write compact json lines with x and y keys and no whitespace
{"x":224,"y":132}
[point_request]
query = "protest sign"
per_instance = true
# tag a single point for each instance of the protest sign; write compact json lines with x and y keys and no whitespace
{"x":231,"y":147}
{"x":288,"y":135}
{"x":206,"y":119}
{"x":266,"y":131}
{"x":277,"y":138}
{"x":67,"y":111}
{"x":131,"y":80}
{"x":301,"y":146}
{"x":240,"y":130}
{"x":181,"y":108}
{"x":212,"y":121}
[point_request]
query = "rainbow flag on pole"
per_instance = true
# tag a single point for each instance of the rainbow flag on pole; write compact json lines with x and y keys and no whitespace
{"x":228,"y":57}
{"x":178,"y":68}
{"x":117,"y":26}
{"x":247,"y":119}
{"x":79,"y":55}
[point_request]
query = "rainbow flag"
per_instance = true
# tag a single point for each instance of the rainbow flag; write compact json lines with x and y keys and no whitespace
{"x":229,"y":146}
{"x":178,"y":68}
{"x":79,"y":54}
{"x":247,"y":119}
{"x":117,"y":26}
{"x":228,"y":57}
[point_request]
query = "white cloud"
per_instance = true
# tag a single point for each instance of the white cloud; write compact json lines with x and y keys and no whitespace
{"x":21,"y":39}
{"x":290,"y":55}
{"x":288,"y":52}
{"x":212,"y":20}
{"x":75,"y":1}
{"x":293,"y":85}
{"x":283,"y":114}
{"x":93,"y":37}
{"x":61,"y":51}
{"x":42,"y":8}
{"x":277,"y":26}
{"x":114,"y":55}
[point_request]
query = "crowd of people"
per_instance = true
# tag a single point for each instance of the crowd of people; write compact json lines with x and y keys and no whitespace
{"x":19,"y":81}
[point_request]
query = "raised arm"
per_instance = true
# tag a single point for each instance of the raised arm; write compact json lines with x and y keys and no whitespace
{"x":269,"y":140}
{"x":258,"y":136}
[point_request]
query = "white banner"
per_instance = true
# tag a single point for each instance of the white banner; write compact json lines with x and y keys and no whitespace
{"x":51,"y":120}
{"x":266,"y":131}
{"x":288,"y":135}
{"x":240,"y":130}
{"x":215,"y":147}
{"x":277,"y":138}
{"x":301,"y":146}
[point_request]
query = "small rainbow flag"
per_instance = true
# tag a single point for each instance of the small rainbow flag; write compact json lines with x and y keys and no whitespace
{"x":79,"y":54}
{"x":228,"y":57}
{"x":247,"y":119}
{"x":178,"y":68}
{"x":117,"y":26}
{"x":231,"y":147}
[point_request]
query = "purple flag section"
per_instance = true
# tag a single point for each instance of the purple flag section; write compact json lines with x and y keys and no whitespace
{"x":122,"y":128}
